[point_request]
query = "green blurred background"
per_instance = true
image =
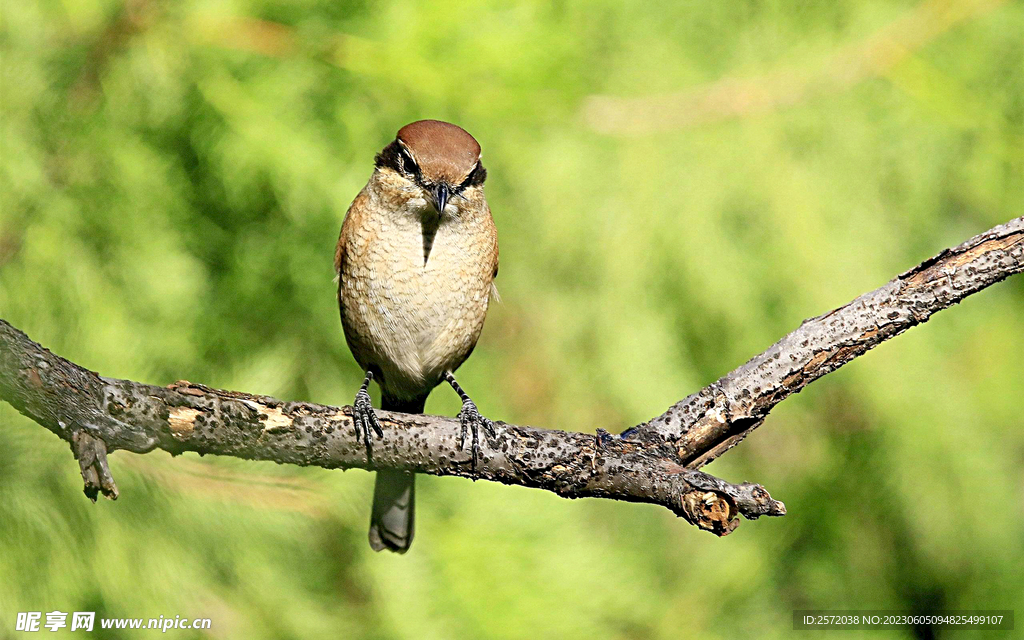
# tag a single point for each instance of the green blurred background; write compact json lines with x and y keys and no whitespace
{"x":676,"y":185}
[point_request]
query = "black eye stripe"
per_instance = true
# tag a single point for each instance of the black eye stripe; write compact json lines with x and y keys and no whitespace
{"x":397,"y":158}
{"x":475,"y":177}
{"x":390,"y":157}
{"x":394,"y":156}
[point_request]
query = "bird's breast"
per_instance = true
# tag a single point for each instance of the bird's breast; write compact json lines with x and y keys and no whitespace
{"x":414,"y":294}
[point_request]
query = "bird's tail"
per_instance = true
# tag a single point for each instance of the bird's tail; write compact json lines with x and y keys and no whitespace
{"x":392,"y":520}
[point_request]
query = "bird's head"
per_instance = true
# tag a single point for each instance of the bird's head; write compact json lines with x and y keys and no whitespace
{"x":438,"y":159}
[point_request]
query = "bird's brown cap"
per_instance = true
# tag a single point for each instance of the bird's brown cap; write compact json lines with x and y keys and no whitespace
{"x":443,"y":151}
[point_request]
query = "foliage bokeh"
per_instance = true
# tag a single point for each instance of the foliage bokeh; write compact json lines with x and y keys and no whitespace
{"x":173,"y":179}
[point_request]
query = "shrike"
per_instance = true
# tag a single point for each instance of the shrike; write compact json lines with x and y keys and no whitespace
{"x":416,"y":260}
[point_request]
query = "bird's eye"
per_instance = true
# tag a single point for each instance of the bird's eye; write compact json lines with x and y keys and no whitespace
{"x":408,"y":164}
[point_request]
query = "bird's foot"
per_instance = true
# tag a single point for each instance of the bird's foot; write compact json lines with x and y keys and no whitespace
{"x":363,"y":417}
{"x":471,"y":421}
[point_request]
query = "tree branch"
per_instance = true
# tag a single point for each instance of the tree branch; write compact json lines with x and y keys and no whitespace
{"x":706,"y":424}
{"x":654,"y":463}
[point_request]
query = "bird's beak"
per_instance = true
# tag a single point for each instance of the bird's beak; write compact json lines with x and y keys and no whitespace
{"x":441,"y":194}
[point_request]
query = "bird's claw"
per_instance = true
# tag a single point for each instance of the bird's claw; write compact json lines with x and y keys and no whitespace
{"x":471,"y":420}
{"x":364,"y":419}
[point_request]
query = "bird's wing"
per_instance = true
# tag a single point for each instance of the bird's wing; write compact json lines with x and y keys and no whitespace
{"x":494,"y":288}
{"x":358,"y":205}
{"x":339,"y":258}
{"x":494,"y":275}
{"x":339,"y":262}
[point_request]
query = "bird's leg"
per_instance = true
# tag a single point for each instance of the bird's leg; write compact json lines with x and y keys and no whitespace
{"x":470,"y":419}
{"x":363,"y":417}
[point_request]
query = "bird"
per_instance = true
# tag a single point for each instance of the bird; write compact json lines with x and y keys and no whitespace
{"x":416,"y":261}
